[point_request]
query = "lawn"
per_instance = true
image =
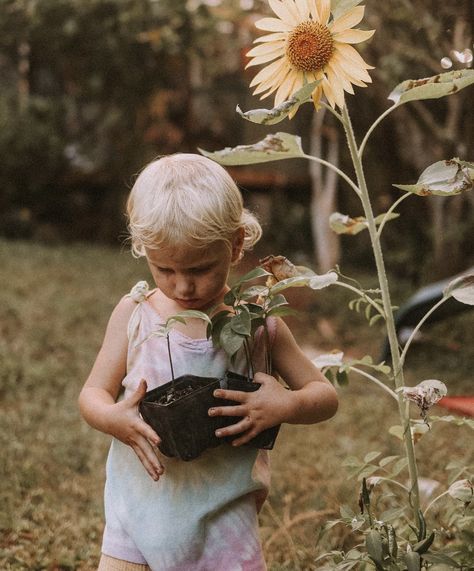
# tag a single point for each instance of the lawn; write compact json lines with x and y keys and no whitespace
{"x":54,"y":305}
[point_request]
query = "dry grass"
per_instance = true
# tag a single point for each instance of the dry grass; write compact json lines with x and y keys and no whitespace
{"x":54,"y":304}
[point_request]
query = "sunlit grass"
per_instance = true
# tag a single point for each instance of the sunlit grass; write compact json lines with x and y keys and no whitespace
{"x":54,"y":305}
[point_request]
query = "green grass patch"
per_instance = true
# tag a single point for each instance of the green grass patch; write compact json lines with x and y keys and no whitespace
{"x":54,"y":306}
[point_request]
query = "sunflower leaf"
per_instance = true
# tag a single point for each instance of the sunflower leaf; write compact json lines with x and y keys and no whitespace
{"x":462,"y":289}
{"x":432,"y":87}
{"x":443,"y":178}
{"x":344,"y":224}
{"x":274,"y":147}
{"x":280,"y":112}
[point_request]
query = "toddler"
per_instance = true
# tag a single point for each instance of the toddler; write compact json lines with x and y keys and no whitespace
{"x":187,"y":218}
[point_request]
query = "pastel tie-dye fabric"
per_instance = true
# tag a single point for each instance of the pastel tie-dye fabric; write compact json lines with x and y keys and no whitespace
{"x":201,"y":515}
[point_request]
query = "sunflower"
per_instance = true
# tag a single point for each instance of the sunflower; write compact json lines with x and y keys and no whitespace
{"x":306,"y":44}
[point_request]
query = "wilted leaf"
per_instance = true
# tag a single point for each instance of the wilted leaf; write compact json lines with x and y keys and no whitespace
{"x":280,"y":112}
{"x":432,"y":87}
{"x":274,"y":147}
{"x":462,"y":490}
{"x":425,"y":394}
{"x":344,"y":224}
{"x":462,"y":289}
{"x":373,"y":542}
{"x":443,"y":178}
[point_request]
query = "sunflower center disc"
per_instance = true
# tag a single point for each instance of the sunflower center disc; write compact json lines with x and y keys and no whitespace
{"x":309,"y":46}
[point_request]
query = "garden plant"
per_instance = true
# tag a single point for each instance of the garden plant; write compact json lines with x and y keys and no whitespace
{"x":308,"y":56}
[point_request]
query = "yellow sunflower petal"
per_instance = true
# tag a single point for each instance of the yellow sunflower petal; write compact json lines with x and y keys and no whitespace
{"x":277,"y":36}
{"x":267,"y":72}
{"x":316,"y":95}
{"x":265,"y":49}
{"x":343,"y":78}
{"x":337,"y":86}
{"x":282,"y":11}
{"x":350,"y":53}
{"x":273,"y":25}
{"x":272,"y":82}
{"x":324,"y":11}
{"x":313,"y":9}
{"x":303,"y":9}
{"x":347,"y":20}
{"x":355,"y":73}
{"x":353,"y":36}
{"x":287,"y":87}
{"x":328,"y":93}
{"x":264,"y":59}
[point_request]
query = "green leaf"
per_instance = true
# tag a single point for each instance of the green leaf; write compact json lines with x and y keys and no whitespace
{"x":342,"y":378}
{"x":277,"y":301}
{"x":373,"y":543}
{"x":442,"y":559}
{"x":253,"y":291}
{"x":371,"y":456}
{"x":282,"y":311}
{"x":274,"y":147}
{"x":462,"y":289}
{"x":240,"y":323}
{"x":432,"y":87}
{"x":413,"y":561}
{"x":443,"y":178}
{"x":188,"y":314}
{"x":280,"y":112}
{"x":252,"y":275}
{"x":230,"y":297}
{"x":297,"y":281}
{"x":423,"y":545}
{"x":230,"y":341}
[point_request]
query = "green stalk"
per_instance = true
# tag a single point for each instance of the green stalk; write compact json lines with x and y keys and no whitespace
{"x":169,"y":356}
{"x":389,"y":318}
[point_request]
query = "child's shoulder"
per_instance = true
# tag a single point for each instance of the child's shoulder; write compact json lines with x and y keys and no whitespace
{"x":128,"y":303}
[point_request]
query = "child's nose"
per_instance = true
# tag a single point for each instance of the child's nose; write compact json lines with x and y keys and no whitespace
{"x":184,"y":286}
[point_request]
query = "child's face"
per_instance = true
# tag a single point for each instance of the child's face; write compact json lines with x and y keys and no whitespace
{"x":194,"y":278}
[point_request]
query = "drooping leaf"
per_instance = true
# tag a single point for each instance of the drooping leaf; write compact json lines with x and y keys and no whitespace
{"x":462,"y":289}
{"x":299,"y":281}
{"x":253,"y":291}
{"x":280,"y":112}
{"x":373,"y":543}
{"x":462,"y":490}
{"x":443,"y":178}
{"x":274,"y":147}
{"x":253,"y":274}
{"x":413,"y":561}
{"x":432,"y":87}
{"x":344,"y":224}
{"x":188,"y":314}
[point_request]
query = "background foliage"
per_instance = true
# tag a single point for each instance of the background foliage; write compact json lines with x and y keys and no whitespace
{"x":92,"y":90}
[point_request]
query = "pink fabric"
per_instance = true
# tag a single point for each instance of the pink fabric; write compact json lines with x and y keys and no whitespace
{"x":201,"y":515}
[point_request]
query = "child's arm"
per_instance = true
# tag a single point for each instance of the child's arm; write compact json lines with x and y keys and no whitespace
{"x":312,"y":397}
{"x":100,"y":391}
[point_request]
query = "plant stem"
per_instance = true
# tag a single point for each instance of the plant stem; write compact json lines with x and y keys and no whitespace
{"x":434,"y":501}
{"x":268,"y":355}
{"x":248,"y":358}
{"x":356,"y":155}
{"x":341,"y":173}
{"x":418,"y":327}
{"x":391,"y":209}
{"x":169,"y":355}
{"x":362,"y":294}
{"x":382,"y":478}
{"x":393,"y":394}
{"x":360,"y":152}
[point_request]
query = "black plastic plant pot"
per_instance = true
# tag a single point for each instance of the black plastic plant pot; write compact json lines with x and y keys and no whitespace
{"x":235,"y":382}
{"x":183,"y":423}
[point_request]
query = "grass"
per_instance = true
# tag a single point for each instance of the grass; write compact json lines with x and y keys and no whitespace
{"x":54,"y":305}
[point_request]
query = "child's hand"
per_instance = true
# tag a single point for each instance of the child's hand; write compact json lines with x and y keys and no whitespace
{"x":127,"y":426}
{"x":261,"y":409}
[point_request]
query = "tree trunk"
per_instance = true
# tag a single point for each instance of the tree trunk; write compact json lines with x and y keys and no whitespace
{"x":326,"y":243}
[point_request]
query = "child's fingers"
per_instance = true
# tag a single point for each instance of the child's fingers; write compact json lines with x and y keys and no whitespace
{"x":238,"y":410}
{"x":147,"y":431}
{"x":148,"y":458}
{"x":237,"y":396}
{"x":245,"y":423}
{"x":139,"y":393}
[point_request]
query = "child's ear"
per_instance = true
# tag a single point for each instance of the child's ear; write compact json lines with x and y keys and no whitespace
{"x":238,"y":245}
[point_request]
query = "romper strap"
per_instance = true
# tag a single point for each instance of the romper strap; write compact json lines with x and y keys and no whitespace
{"x":138,"y":294}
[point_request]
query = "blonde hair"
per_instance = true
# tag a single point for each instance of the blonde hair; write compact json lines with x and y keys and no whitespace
{"x":187,"y":199}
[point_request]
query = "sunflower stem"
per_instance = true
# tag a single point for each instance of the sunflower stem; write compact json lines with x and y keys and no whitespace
{"x":368,"y":299}
{"x":356,"y":155}
{"x":342,"y":174}
{"x":379,"y":383}
{"x":387,"y":112}
{"x":331,"y":110}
